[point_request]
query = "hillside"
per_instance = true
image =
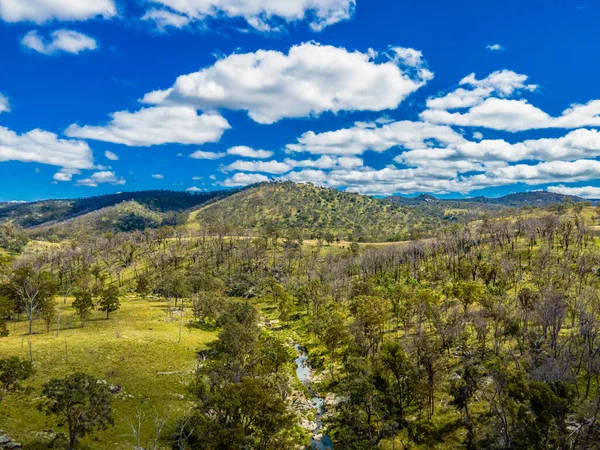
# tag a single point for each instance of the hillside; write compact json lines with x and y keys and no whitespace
{"x":124,"y":217}
{"x":314,"y":212}
{"x":517,"y":200}
{"x":27,"y":215}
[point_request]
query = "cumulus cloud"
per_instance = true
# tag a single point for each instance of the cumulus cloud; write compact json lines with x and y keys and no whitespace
{"x":194,"y":189}
{"x":278,"y":168}
{"x":156,"y":126}
{"x":158,"y":176}
{"x":101,"y":178}
{"x":274,"y":167}
{"x":110,"y":155}
{"x":46,"y":148}
{"x":164,"y":19}
{"x":248,"y":152}
{"x":310,"y":80}
{"x":265,"y":15}
{"x":577,"y":144}
{"x":4,"y":104}
{"x":66,"y":174}
{"x":591,"y":192}
{"x":40,"y":11}
{"x":376,"y":137}
{"x":244,"y":179}
{"x":494,"y":47}
{"x":503,"y":83}
{"x":60,"y":41}
{"x":200,"y":154}
{"x":487,"y":103}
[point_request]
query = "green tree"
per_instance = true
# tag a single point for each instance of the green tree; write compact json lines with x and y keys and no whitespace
{"x":32,"y":290}
{"x":143,"y":284}
{"x":332,"y":331}
{"x":467,"y":293}
{"x":83,"y":303}
{"x":241,"y":415}
{"x":80,"y":402}
{"x":109,"y":300}
{"x":12,"y":370}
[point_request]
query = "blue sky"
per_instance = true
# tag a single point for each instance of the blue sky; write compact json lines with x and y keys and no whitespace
{"x":379,"y":97}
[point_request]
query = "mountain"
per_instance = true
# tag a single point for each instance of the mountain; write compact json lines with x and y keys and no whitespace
{"x":48,"y":212}
{"x":296,"y":209}
{"x":518,"y":200}
{"x":312,"y":212}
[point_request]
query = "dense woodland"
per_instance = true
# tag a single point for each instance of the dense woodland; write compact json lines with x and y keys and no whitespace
{"x":484,"y":334}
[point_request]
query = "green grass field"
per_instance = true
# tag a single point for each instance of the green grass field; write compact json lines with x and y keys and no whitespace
{"x":136,"y":348}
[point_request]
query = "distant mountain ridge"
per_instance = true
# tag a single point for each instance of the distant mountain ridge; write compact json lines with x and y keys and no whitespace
{"x":519,"y":199}
{"x":302,"y":209}
{"x":34,"y":214}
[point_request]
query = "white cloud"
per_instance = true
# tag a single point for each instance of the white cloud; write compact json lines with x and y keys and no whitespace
{"x":310,"y":80}
{"x":577,"y":144}
{"x":40,"y":11}
{"x":67,"y":41}
{"x":196,"y":178}
{"x":279,"y":168}
{"x":488,"y":105}
{"x":274,"y":167}
{"x":66,"y":174}
{"x":46,"y":148}
{"x":248,"y":152}
{"x":158,"y":176}
{"x":110,"y":155}
{"x":244,"y":179}
{"x":4,"y":104}
{"x":495,"y":47}
{"x":194,"y":189}
{"x":591,"y":192}
{"x":199,"y":154}
{"x":326,"y":162}
{"x":547,"y":172}
{"x":503,"y":83}
{"x":266,"y":15}
{"x":164,"y":19}
{"x":101,"y":178}
{"x":376,"y":137}
{"x":517,"y":115}
{"x":156,"y":126}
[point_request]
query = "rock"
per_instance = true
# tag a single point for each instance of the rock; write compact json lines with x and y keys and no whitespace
{"x":115,"y":388}
{"x":7,"y":444}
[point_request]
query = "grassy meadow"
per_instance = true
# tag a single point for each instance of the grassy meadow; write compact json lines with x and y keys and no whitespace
{"x":137,"y":348}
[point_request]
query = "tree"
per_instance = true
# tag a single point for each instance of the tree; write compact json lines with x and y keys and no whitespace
{"x":143,"y":285}
{"x":12,"y":370}
{"x":83,"y":303}
{"x":32,"y":291}
{"x":80,"y":402}
{"x":109,"y":300}
{"x":248,"y":414}
{"x":333,"y":332}
{"x":467,"y":293}
{"x":48,"y":314}
{"x":283,"y":299}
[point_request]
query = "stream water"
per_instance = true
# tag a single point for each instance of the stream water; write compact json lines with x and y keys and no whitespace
{"x":303,"y":372}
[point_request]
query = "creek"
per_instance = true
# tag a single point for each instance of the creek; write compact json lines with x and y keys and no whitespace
{"x":304,"y":373}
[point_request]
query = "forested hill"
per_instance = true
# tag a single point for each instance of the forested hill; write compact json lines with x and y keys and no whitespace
{"x":313,"y":212}
{"x":518,"y":200}
{"x":27,"y":215}
{"x":287,"y":208}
